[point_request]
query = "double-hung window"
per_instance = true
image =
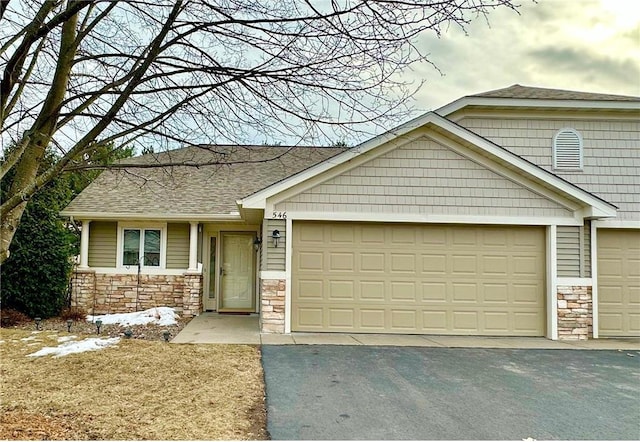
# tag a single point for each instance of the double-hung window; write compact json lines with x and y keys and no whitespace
{"x":143,"y":245}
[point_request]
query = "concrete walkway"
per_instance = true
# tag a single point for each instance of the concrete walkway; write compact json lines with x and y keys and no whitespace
{"x":214,"y":328}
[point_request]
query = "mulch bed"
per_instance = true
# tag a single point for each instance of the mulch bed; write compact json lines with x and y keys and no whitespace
{"x":149,"y":332}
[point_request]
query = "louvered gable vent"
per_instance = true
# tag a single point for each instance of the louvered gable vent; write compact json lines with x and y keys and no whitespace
{"x":567,"y":150}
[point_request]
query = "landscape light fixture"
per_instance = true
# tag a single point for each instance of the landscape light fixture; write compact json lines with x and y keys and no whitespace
{"x":98,"y":325}
{"x":257,"y":243}
{"x":276,"y":236}
{"x":128,"y":333}
{"x":38,"y":319}
{"x":69,"y":323}
{"x":166,"y":335}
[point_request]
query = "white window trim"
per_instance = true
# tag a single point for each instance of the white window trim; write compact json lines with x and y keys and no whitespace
{"x":142,"y":225}
{"x":580,"y":150}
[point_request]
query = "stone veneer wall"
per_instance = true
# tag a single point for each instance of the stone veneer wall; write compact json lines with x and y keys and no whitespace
{"x":575,"y":312}
{"x":100,"y":293}
{"x":272,"y":305}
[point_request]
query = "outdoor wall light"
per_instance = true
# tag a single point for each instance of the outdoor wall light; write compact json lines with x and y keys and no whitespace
{"x":257,"y":243}
{"x":276,"y":237}
{"x":98,"y":325}
{"x":166,"y":334}
{"x":69,"y":323}
{"x":38,"y":323}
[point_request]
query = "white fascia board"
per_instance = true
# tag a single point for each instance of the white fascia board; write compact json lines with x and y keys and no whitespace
{"x":616,"y":224}
{"x":233,"y":216}
{"x":529,"y":103}
{"x":434,"y":218}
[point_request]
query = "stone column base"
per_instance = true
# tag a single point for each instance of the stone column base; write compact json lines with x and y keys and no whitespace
{"x":575,"y":312}
{"x":272,"y":305}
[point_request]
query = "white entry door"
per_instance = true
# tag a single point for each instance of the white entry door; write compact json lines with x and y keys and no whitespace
{"x":237,"y":272}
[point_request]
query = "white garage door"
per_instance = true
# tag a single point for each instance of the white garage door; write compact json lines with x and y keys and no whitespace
{"x":424,"y":279}
{"x":618,"y":282}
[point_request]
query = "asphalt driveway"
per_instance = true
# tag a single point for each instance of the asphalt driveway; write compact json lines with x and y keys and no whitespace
{"x":358,"y":392}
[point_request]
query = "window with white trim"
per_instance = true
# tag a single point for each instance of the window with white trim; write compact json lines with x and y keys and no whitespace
{"x":567,"y":150}
{"x":142,"y":244}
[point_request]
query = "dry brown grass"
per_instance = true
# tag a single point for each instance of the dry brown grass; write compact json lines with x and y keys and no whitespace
{"x":137,"y":390}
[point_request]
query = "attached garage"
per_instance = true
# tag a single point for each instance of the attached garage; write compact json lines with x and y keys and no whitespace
{"x":420,"y":279}
{"x":618,"y":282}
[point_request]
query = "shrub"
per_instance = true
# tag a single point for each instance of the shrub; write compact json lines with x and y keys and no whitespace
{"x":10,"y":317}
{"x":74,"y":313}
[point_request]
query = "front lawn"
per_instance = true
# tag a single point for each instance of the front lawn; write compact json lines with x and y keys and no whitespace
{"x":135,"y":389}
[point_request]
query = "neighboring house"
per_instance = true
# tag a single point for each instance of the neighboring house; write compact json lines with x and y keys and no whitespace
{"x":514,"y":212}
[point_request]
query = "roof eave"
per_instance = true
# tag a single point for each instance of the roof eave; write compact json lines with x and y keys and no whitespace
{"x":199,"y":217}
{"x":539,"y":103}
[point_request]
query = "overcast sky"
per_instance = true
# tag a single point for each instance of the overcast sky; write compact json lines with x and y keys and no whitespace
{"x":585,"y":45}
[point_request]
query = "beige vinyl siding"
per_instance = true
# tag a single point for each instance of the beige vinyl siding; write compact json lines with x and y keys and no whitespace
{"x":178,"y":245}
{"x":568,"y":247}
{"x":574,"y":251}
{"x":586,"y":249}
{"x":610,"y":150}
{"x":103,"y":243}
{"x":423,"y":177}
{"x":273,"y":258}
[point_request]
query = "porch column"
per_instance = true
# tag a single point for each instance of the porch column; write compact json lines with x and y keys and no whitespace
{"x":193,"y":247}
{"x":84,"y":245}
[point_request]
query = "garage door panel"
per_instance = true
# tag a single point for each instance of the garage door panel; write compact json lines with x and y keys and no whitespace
{"x":403,"y":291}
{"x":311,"y":262}
{"x":310,"y":317}
{"x":435,"y":321}
{"x":403,"y":263}
{"x":343,"y":262}
{"x":523,"y":294}
{"x":372,"y":319}
{"x":618,"y":282}
{"x":464,"y":265}
{"x":341,"y":317}
{"x":496,"y":293}
{"x":464,"y":292}
{"x":404,"y":320}
{"x":341,"y":290}
{"x":394,"y":284}
{"x":466,"y":321}
{"x":495,"y":266}
{"x":372,"y":290}
{"x":310,"y":289}
{"x":434,"y":292}
{"x":497,"y":321}
{"x":372,"y":262}
{"x":527,"y":322}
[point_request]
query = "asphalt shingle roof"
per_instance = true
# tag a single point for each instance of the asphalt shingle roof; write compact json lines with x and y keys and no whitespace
{"x":526,"y":92}
{"x":193,"y":180}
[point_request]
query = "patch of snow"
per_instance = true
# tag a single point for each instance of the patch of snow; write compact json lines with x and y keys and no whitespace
{"x":28,"y":338}
{"x":36,"y":332}
{"x":158,"y":315}
{"x":67,"y":348}
{"x":66,"y":338}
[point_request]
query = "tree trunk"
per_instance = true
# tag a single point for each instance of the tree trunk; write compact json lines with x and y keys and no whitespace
{"x":10,"y":222}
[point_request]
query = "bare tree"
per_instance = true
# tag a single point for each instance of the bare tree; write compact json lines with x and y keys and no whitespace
{"x":165,"y":72}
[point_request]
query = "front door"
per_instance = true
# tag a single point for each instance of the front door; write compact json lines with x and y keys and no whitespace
{"x":237,"y":273}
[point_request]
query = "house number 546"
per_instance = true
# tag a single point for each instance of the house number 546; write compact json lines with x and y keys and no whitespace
{"x":279,"y":215}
